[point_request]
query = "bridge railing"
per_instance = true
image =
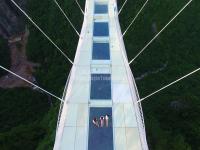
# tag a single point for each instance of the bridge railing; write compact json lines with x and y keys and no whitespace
{"x":140,"y":116}
{"x":133,"y":86}
{"x":63,"y":97}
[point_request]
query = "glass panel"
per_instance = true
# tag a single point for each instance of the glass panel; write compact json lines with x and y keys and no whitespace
{"x":100,"y":86}
{"x":101,"y":9}
{"x":100,"y":138}
{"x":101,"y":29}
{"x":101,"y":51}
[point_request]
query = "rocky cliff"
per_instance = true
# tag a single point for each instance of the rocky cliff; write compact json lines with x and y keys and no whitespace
{"x":12,"y":28}
{"x":11,"y":20}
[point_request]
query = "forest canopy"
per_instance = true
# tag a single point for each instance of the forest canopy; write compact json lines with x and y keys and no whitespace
{"x":172,"y":117}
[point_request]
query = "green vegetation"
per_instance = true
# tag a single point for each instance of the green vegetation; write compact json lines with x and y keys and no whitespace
{"x":21,"y":116}
{"x":172,"y":117}
{"x":27,"y":119}
{"x":54,"y":67}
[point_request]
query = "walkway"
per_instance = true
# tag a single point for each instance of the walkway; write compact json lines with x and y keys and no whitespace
{"x":101,"y":83}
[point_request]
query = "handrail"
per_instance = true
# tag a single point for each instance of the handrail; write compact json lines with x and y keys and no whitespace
{"x":63,"y":97}
{"x":138,"y":111}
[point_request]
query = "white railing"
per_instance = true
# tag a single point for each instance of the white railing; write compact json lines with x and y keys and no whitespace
{"x":137,"y":106}
{"x":63,"y":97}
{"x":139,"y":115}
{"x":68,"y":87}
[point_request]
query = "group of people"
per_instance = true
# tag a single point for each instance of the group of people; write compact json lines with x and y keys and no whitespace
{"x":101,"y":122}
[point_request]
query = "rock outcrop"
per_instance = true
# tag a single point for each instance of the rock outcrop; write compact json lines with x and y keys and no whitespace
{"x":11,"y":20}
{"x":13,"y":28}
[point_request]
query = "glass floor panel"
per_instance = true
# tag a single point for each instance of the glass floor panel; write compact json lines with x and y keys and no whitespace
{"x":101,"y":29}
{"x":101,"y":51}
{"x":100,"y":87}
{"x":101,"y":9}
{"x":100,"y":138}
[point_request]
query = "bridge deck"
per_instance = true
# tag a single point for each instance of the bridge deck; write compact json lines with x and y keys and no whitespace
{"x":99,"y":85}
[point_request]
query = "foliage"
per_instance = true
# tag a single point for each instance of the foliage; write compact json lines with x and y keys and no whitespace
{"x":22,"y":136}
{"x":25,"y":113}
{"x":21,"y":111}
{"x":172,"y":117}
{"x":52,"y":74}
{"x":21,"y":106}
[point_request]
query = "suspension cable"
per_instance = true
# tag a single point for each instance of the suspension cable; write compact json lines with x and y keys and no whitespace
{"x":79,"y":7}
{"x":67,"y":18}
{"x":32,"y":84}
{"x":189,"y":74}
{"x":122,"y":7}
{"x":135,"y":17}
{"x":160,"y":32}
{"x":42,"y":31}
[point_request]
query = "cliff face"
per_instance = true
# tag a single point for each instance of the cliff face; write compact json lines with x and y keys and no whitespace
{"x":12,"y":28}
{"x":11,"y":20}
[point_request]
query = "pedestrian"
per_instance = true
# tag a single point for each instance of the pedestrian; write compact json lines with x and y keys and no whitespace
{"x":95,"y":122}
{"x":102,"y":119}
{"x":107,"y":120}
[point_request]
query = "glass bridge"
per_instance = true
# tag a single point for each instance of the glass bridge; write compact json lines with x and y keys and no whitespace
{"x":99,"y":112}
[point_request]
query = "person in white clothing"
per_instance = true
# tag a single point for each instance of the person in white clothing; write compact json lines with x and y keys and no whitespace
{"x":107,"y":120}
